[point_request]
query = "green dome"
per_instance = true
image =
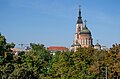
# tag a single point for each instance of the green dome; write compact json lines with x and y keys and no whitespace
{"x":85,"y":31}
{"x":72,"y":45}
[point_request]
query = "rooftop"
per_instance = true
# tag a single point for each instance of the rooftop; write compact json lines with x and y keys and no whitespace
{"x":57,"y":48}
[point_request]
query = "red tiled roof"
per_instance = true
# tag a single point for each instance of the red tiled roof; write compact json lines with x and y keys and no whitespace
{"x":57,"y":48}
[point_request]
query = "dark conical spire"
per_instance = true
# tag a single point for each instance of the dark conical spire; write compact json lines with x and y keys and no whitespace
{"x":79,"y":11}
{"x":79,"y":21}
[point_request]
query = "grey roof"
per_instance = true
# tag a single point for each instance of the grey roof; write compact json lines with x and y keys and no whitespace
{"x":85,"y":31}
{"x":75,"y":45}
{"x":72,"y":45}
{"x":98,"y":44}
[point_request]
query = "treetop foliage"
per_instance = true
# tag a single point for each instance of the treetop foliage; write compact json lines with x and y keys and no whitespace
{"x":38,"y":63}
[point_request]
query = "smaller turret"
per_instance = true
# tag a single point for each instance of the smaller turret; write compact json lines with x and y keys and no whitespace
{"x":97,"y":46}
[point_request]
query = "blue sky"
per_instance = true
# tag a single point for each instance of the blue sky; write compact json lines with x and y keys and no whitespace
{"x":53,"y":22}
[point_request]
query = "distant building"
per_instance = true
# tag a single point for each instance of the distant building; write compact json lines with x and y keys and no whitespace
{"x":97,"y":46}
{"x":83,"y":36}
{"x":16,"y":51}
{"x":54,"y":49}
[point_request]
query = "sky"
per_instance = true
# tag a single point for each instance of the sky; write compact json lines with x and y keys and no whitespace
{"x":53,"y":22}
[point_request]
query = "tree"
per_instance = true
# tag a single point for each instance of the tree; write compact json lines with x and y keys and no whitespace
{"x":85,"y":63}
{"x":37,"y":59}
{"x":2,"y":44}
{"x":8,"y":46}
{"x":7,"y":70}
{"x":22,"y":73}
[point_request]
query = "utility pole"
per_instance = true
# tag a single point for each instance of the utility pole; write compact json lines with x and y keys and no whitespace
{"x":106,"y":73}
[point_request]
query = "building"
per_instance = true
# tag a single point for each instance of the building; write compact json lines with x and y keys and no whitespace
{"x":83,"y":36}
{"x":97,"y":46}
{"x":54,"y":49}
{"x":17,"y":51}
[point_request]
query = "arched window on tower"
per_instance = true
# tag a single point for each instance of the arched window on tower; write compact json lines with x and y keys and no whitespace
{"x":77,"y":36}
{"x":79,"y":29}
{"x":86,"y":41}
{"x":80,"y":41}
{"x":89,"y":41}
{"x":83,"y":41}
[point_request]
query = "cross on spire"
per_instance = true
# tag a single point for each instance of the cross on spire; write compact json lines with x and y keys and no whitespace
{"x":85,"y":21}
{"x":97,"y":41}
{"x":79,"y":7}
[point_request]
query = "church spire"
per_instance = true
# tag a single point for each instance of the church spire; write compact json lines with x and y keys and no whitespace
{"x":79,"y":21}
{"x":79,"y":11}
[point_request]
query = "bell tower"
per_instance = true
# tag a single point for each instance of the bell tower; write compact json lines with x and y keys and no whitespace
{"x":83,"y":36}
{"x":79,"y":21}
{"x":79,"y":25}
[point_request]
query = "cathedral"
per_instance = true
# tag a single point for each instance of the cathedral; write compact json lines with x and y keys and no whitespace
{"x":83,"y":36}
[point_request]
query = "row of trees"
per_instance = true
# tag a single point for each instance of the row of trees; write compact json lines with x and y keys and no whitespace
{"x":86,"y":63}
